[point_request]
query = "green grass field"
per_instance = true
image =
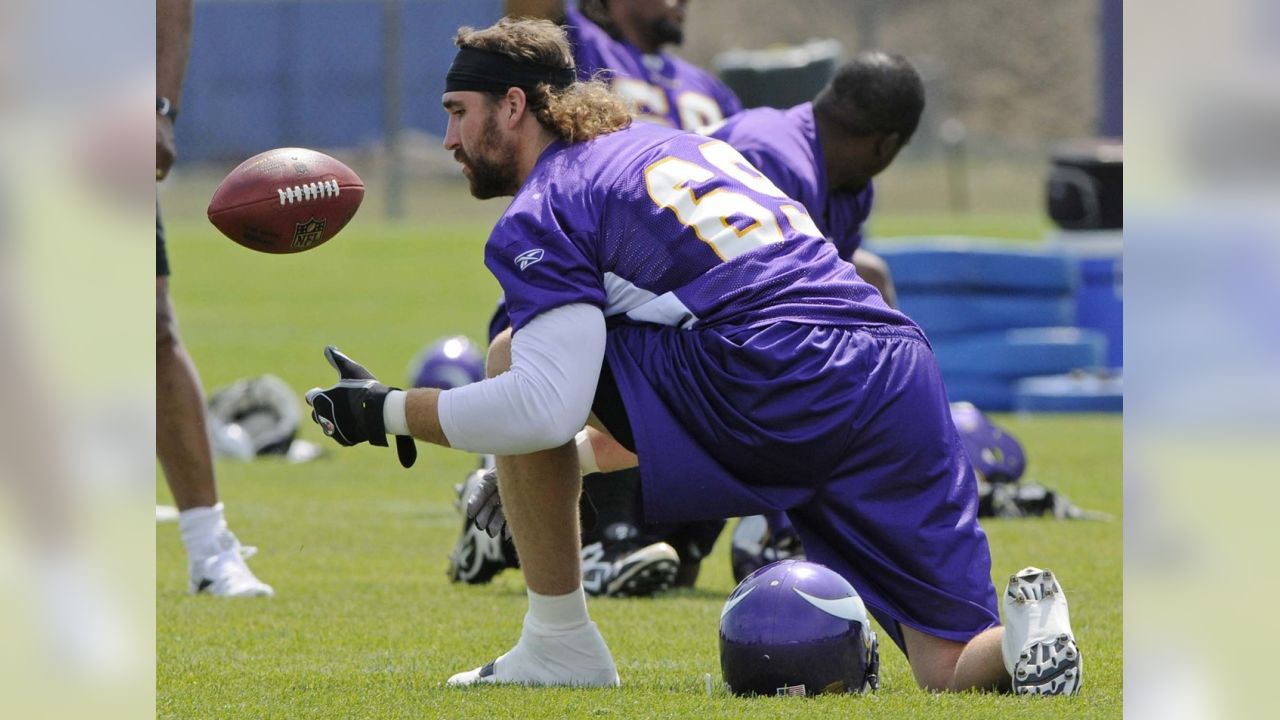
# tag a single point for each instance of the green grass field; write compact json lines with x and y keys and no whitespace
{"x":365,"y":624}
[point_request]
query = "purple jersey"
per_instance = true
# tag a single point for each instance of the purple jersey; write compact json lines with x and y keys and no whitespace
{"x":659,"y":88}
{"x":669,"y":228}
{"x":784,"y":145}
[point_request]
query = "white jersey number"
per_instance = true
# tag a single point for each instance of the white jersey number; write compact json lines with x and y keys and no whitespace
{"x":649,"y":103}
{"x":668,"y":180}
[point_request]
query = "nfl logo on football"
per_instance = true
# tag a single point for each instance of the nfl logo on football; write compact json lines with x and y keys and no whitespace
{"x":307,"y":233}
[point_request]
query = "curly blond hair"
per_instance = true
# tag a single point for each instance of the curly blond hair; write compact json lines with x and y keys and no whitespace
{"x":579,"y":112}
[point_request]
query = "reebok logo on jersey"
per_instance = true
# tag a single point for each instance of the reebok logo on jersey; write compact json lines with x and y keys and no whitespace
{"x":529,"y":257}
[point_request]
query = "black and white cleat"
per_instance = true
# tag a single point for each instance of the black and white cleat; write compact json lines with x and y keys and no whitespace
{"x":1038,"y":630}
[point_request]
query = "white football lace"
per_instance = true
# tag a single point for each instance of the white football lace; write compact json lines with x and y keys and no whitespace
{"x":310,"y":191}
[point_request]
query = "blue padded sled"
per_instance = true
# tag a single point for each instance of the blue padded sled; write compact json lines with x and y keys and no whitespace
{"x":1078,"y":392}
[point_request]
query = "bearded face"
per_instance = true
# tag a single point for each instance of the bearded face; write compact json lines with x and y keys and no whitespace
{"x":668,"y":28}
{"x":489,"y":162}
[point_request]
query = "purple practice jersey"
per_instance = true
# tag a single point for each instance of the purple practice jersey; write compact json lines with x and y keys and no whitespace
{"x":659,"y":88}
{"x":663,"y":227}
{"x":784,"y":145}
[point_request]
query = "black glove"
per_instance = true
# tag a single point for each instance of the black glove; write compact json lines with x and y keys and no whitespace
{"x":484,"y":507}
{"x":351,"y":411}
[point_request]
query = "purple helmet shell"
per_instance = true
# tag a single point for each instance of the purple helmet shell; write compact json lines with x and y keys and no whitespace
{"x":797,"y":628}
{"x":996,"y":455}
{"x":447,"y":363}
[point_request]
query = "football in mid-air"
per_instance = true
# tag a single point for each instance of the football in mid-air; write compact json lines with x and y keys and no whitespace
{"x":286,"y":200}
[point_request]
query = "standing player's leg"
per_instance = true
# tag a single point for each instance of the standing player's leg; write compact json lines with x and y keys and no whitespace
{"x":215,"y":557}
{"x":182,"y":440}
{"x":559,"y":645}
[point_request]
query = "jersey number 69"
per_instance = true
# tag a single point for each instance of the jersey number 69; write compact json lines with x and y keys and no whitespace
{"x":668,"y":182}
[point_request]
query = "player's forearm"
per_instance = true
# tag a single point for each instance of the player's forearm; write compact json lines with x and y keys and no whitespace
{"x":173,"y":45}
{"x":422,"y":412}
{"x":547,"y":9}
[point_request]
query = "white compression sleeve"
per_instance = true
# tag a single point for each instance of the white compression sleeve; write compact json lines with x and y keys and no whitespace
{"x":544,"y":399}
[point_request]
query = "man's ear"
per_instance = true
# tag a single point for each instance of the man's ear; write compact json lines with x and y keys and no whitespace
{"x":887,"y":146}
{"x":513,"y":106}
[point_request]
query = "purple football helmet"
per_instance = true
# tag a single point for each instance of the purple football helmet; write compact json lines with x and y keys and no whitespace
{"x":996,"y":455}
{"x":797,"y":628}
{"x":447,"y":363}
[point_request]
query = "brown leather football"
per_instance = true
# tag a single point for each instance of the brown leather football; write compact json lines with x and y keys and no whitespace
{"x":286,"y":200}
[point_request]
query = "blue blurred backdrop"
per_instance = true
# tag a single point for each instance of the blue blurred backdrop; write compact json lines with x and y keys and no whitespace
{"x":313,"y":72}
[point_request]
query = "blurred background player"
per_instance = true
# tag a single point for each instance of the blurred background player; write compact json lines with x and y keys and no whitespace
{"x":215,"y":557}
{"x":622,"y":41}
{"x":824,"y":153}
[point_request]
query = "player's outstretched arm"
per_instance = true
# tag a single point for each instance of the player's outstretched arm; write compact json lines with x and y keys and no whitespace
{"x":537,"y":403}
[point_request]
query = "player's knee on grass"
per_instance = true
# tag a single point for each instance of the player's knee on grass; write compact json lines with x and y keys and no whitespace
{"x":933,"y":660}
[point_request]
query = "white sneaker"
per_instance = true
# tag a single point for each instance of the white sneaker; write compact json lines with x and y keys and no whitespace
{"x":225,"y":573}
{"x":577,"y":658}
{"x":1039,"y":648}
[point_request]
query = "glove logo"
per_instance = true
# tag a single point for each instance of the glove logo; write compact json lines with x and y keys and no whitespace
{"x":324,"y":410}
{"x":529,"y":257}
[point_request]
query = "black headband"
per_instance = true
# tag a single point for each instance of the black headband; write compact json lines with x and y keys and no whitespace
{"x":483,"y":70}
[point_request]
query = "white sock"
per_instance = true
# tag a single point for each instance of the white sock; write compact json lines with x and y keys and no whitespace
{"x":558,"y":613}
{"x":559,"y":645}
{"x":200,"y":528}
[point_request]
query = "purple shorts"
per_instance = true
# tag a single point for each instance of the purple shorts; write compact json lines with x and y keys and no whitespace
{"x":847,"y":430}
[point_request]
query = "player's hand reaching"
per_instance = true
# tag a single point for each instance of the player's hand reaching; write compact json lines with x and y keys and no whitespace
{"x":351,"y":411}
